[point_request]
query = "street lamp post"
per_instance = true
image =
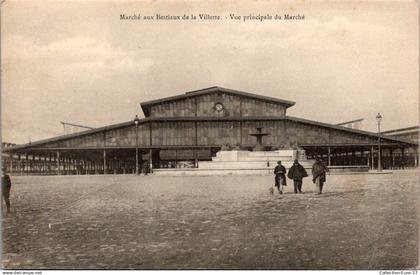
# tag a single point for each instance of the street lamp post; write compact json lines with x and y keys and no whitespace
{"x":136,"y":123}
{"x":378,"y":119}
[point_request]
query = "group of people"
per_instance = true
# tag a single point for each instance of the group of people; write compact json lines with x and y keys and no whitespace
{"x":297,"y":172}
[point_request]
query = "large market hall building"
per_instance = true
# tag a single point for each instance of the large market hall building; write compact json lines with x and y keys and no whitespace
{"x":185,"y":129}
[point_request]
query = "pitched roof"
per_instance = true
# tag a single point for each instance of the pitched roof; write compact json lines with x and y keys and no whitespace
{"x":69,"y":136}
{"x":346,"y":129}
{"x":145,"y":105}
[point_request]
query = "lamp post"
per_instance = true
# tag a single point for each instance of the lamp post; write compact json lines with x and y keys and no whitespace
{"x":378,"y":119}
{"x":136,"y":123}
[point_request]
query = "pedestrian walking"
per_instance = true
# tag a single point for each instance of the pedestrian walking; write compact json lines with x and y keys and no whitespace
{"x":6,"y":185}
{"x":280,"y":178}
{"x":319,"y":174}
{"x":297,"y":173}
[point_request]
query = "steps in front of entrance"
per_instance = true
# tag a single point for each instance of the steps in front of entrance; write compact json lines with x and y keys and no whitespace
{"x":213,"y":172}
{"x":236,"y":162}
{"x":248,"y":164}
{"x":253,"y":163}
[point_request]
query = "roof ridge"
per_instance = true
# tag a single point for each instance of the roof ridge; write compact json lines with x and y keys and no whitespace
{"x":401,"y":129}
{"x":204,"y":89}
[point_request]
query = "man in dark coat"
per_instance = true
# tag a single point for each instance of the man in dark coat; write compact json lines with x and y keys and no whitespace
{"x":319,"y":174}
{"x":297,"y":173}
{"x":280,"y":179}
{"x":6,"y":185}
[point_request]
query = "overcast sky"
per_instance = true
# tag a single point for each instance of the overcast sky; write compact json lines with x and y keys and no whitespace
{"x":78,"y":62}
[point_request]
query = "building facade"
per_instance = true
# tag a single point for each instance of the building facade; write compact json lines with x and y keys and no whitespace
{"x":193,"y":126}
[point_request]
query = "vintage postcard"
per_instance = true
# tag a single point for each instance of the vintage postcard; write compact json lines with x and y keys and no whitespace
{"x":237,"y":135}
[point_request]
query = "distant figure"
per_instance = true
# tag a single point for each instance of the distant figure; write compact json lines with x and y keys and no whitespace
{"x":146,"y":168}
{"x":318,"y":174}
{"x":6,"y":185}
{"x":297,"y":173}
{"x":280,"y":179}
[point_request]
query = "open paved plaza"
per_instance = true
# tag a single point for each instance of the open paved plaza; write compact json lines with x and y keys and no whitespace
{"x":365,"y":221}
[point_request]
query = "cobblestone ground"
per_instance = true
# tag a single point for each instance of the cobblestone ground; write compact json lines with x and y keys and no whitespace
{"x":230,"y":222}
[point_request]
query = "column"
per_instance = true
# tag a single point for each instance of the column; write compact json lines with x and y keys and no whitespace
{"x":19,"y":164}
{"x":38,"y":163}
{"x":196,"y":133}
{"x":44,"y":164}
{"x":362,"y":156}
{"x":76,"y":166}
{"x":25,"y":163}
{"x":52,"y":161}
{"x":380,"y":158}
{"x":65,"y":166}
{"x":104,"y":159}
{"x":49,"y":164}
{"x":79,"y":166}
{"x":373,"y":159}
{"x":240,"y":132}
{"x":71,"y":166}
{"x":63,"y":161}
{"x":68,"y":164}
{"x":141,"y":162}
{"x":114,"y":165}
{"x":30,"y":163}
{"x":354,"y":157}
{"x":150,"y":150}
{"x":391,"y":158}
{"x":137,"y":161}
{"x":150,"y":160}
{"x":329,"y":156}
{"x":11,"y":163}
{"x":58,"y":162}
{"x":403,"y":157}
{"x":195,"y":159}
